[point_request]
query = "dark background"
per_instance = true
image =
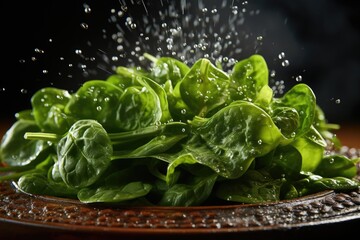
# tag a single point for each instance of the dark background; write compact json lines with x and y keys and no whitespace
{"x":320,"y":38}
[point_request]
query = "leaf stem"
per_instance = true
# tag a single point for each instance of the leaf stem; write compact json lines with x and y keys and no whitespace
{"x":52,"y":137}
{"x":150,"y":57}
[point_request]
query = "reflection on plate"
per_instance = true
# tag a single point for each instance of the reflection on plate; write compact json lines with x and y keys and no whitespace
{"x":50,"y":214}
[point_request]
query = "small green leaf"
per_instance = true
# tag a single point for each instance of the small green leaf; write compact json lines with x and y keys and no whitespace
{"x":84,"y":153}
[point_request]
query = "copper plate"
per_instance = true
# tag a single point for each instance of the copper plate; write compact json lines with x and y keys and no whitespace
{"x":329,"y":213}
{"x":26,"y":214}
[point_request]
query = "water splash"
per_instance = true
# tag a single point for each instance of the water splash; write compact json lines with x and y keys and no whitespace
{"x":186,"y":30}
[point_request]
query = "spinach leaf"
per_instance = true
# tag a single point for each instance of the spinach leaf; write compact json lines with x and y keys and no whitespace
{"x":232,"y":138}
{"x":37,"y":181}
{"x":156,"y":145}
{"x":128,"y":77}
{"x":124,"y":77}
{"x":311,"y":153}
{"x":138,"y":108}
{"x":282,"y":162}
{"x":325,"y":128}
{"x":26,"y":114}
{"x":84,"y":153}
{"x":17,"y":151}
{"x":313,"y":183}
{"x":96,"y":99}
{"x":48,"y":109}
{"x":252,"y":187}
{"x":176,"y":135}
{"x":337,"y":166}
{"x":167,"y":68}
{"x":203,"y":88}
{"x":287,"y":119}
{"x":248,"y":79}
{"x":188,"y":194}
{"x":120,"y":193}
{"x":302,"y":99}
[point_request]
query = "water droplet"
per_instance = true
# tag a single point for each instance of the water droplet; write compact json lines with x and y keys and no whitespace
{"x":23,"y":90}
{"x":84,"y":25}
{"x":37,"y":50}
{"x":259,"y":141}
{"x":338,"y":101}
{"x":272,"y":73}
{"x":120,"y":13}
{"x":183,"y":111}
{"x":98,"y":108}
{"x":298,"y":78}
{"x":285,"y":63}
{"x":281,"y":55}
{"x":87,"y":8}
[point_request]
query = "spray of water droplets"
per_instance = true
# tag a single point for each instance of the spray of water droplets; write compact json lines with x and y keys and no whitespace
{"x":186,"y":30}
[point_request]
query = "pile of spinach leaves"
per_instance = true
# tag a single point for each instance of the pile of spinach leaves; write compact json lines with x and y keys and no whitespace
{"x":174,"y":135}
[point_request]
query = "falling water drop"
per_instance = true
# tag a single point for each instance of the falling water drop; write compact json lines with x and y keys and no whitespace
{"x":285,"y":63}
{"x":281,"y":55}
{"x":87,"y":8}
{"x":272,"y":73}
{"x":84,"y":25}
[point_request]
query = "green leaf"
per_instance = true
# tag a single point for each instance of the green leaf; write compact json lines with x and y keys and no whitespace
{"x":232,"y":138}
{"x":311,"y":153}
{"x":204,"y":87}
{"x":313,"y":183}
{"x":248,"y":79}
{"x":48,"y":109}
{"x":302,"y":99}
{"x":110,"y":194}
{"x":283,"y":162}
{"x":98,"y":100}
{"x":191,"y":194}
{"x":84,"y":153}
{"x":167,"y":68}
{"x":37,"y":183}
{"x":15,"y":150}
{"x":336,"y":166}
{"x":252,"y":187}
